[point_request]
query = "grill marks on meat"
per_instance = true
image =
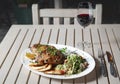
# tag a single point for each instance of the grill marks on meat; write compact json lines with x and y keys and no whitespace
{"x":47,"y":54}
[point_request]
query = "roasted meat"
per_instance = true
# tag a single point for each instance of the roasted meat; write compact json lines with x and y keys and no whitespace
{"x":47,"y":54}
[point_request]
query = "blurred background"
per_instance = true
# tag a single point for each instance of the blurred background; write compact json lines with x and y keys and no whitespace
{"x":19,"y":11}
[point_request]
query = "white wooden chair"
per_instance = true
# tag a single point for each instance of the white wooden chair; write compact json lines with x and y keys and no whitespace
{"x":54,"y":15}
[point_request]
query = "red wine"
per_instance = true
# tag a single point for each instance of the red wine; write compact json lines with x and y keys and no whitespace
{"x":84,"y":19}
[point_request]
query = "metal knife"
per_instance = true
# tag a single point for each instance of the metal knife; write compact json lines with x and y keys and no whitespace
{"x":111,"y":61}
{"x":102,"y":63}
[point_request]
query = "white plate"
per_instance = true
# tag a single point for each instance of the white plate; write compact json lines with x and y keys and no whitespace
{"x":85,"y":55}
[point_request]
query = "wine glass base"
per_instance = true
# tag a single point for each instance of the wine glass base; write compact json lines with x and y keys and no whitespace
{"x":84,"y":44}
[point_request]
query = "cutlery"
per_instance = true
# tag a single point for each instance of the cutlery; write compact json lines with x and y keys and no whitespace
{"x":102,"y":63}
{"x":110,"y":60}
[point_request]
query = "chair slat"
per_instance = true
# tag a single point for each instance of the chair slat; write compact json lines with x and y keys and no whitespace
{"x":45,"y":20}
{"x":35,"y":14}
{"x":98,"y":15}
{"x":75,"y":21}
{"x":56,"y":21}
{"x":66,"y":20}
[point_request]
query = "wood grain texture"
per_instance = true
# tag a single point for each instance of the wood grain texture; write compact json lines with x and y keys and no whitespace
{"x":20,"y":37}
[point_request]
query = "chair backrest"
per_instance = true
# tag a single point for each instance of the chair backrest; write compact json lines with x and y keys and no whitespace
{"x":61,"y":16}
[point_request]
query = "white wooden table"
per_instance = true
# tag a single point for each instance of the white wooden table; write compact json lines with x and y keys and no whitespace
{"x":20,"y":37}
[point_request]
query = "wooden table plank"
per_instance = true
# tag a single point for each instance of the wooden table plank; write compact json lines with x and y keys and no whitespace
{"x":16,"y":67}
{"x":53,"y":40}
{"x":106,"y":47}
{"x":70,"y":42}
{"x":78,"y":38}
{"x":70,"y":37}
{"x":5,"y":46}
{"x":117,"y":36}
{"x":114,"y":48}
{"x":45,"y":36}
{"x":24,"y":72}
{"x":78,"y":41}
{"x":62,"y":36}
{"x":56,"y":81}
{"x":88,"y":48}
{"x":11,"y":56}
{"x":53,"y":36}
{"x":34,"y":78}
{"x":60,"y":40}
{"x":44,"y":40}
{"x":96,"y":46}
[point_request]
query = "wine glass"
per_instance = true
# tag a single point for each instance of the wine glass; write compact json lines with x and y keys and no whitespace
{"x":84,"y":18}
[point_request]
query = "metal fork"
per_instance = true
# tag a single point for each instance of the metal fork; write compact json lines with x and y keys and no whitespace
{"x":102,"y":63}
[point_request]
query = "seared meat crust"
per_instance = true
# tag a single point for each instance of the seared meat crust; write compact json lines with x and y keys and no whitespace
{"x":47,"y":54}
